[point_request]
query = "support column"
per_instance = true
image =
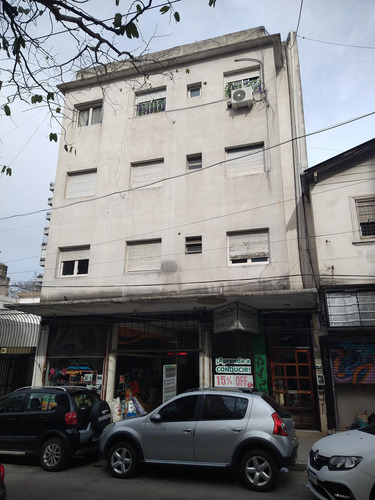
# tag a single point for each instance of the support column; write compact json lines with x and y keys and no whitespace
{"x":205,"y":358}
{"x":41,"y":357}
{"x":112,"y":365}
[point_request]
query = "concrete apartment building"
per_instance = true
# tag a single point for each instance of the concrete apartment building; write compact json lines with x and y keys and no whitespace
{"x":176,"y":254}
{"x":340,"y":214}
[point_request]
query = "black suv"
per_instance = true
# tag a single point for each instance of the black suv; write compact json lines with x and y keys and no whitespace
{"x":54,"y":423}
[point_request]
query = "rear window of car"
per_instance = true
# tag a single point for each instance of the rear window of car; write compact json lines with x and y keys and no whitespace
{"x":85,"y":398}
{"x":275,"y":405}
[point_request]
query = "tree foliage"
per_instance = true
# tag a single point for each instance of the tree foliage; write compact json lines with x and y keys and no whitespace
{"x":32,"y":60}
{"x":33,"y":285}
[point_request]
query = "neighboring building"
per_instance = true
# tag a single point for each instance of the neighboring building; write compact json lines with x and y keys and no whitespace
{"x":340,"y":213}
{"x":19,"y":337}
{"x":175,"y":226}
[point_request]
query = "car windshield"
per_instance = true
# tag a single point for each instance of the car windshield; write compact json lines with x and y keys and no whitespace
{"x":370,"y":429}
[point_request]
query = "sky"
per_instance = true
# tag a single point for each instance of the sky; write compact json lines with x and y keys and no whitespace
{"x":336,"y":43}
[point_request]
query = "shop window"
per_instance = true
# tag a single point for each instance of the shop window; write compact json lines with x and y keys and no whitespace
{"x":193,"y":244}
{"x":147,"y":174}
{"x":81,"y":184}
{"x":151,"y":102}
{"x":194,"y":162}
{"x":74,"y":261}
{"x":90,"y":115}
{"x":244,"y":160}
{"x":144,"y":255}
{"x":248,"y":247}
{"x":181,"y":410}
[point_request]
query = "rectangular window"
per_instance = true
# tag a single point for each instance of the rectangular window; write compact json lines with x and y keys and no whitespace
{"x":239,"y":80}
{"x":193,"y":244}
{"x":194,"y":162}
{"x":366,"y":217}
{"x":245,"y":160}
{"x":351,"y":308}
{"x":74,"y":261}
{"x":195,"y":90}
{"x":144,"y":255}
{"x":81,"y":184}
{"x":90,"y":115}
{"x":151,"y":102}
{"x":248,"y":247}
{"x":147,"y":174}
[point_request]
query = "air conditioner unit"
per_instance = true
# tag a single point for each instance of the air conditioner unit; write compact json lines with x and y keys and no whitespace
{"x":242,"y":98}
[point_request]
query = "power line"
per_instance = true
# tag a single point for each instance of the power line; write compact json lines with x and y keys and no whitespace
{"x":338,"y":44}
{"x":184,"y":174}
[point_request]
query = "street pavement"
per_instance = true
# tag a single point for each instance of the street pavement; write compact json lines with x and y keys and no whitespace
{"x":89,"y":479}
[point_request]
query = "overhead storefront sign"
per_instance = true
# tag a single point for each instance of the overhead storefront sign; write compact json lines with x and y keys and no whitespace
{"x":236,"y":317}
{"x":353,"y":363}
{"x":233,"y":372}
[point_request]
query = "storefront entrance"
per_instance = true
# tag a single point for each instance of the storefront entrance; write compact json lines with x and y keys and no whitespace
{"x":291,"y":367}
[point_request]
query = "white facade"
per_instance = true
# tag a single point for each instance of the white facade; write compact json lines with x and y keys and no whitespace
{"x":177,"y":192}
{"x":341,"y":215}
{"x":211,"y":202}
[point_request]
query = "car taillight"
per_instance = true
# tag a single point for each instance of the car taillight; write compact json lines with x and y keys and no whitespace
{"x":71,"y":418}
{"x":2,"y":472}
{"x":279,"y":428}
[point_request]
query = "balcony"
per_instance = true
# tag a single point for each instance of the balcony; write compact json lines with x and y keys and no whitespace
{"x":52,"y":186}
{"x":151,"y":107}
{"x":50,"y":201}
{"x":48,"y":215}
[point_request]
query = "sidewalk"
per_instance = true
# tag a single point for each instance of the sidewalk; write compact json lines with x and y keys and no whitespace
{"x":306,"y":440}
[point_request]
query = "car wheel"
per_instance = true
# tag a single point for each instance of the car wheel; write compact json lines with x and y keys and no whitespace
{"x":258,"y":470}
{"x":123,"y":461}
{"x":53,"y":455}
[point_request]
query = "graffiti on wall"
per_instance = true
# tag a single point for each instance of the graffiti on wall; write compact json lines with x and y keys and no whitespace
{"x":353,"y":363}
{"x":261,"y":373}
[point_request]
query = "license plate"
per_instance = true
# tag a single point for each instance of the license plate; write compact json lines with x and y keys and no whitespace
{"x":312,"y":476}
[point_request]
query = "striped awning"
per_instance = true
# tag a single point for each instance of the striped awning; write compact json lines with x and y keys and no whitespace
{"x":18,"y":329}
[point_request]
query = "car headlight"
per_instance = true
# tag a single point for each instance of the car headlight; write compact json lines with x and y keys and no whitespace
{"x":343,"y":463}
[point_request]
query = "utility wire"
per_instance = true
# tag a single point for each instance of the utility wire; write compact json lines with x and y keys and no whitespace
{"x":331,"y":127}
{"x":338,"y":44}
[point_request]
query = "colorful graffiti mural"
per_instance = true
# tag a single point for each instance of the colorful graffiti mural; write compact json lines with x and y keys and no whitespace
{"x":353,"y":363}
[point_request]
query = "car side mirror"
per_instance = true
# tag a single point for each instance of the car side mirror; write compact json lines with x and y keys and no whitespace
{"x":155,"y":418}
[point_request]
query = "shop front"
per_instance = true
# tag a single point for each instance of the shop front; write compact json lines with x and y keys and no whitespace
{"x":76,"y":354}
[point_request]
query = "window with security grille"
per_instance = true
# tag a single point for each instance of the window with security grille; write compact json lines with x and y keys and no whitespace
{"x":248,"y":247}
{"x":151,"y":102}
{"x":240,"y":80}
{"x":348,"y":308}
{"x":366,"y":217}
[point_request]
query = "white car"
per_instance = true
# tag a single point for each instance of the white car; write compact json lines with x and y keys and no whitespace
{"x":342,"y":466}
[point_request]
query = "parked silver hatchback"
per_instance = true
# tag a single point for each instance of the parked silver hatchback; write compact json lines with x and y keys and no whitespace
{"x":242,"y":429}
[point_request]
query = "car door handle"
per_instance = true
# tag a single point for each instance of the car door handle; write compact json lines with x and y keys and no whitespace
{"x":237,"y":429}
{"x":187,"y":431}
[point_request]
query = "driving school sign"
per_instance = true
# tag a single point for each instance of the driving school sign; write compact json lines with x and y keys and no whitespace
{"x":233,"y":372}
{"x":235,"y":317}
